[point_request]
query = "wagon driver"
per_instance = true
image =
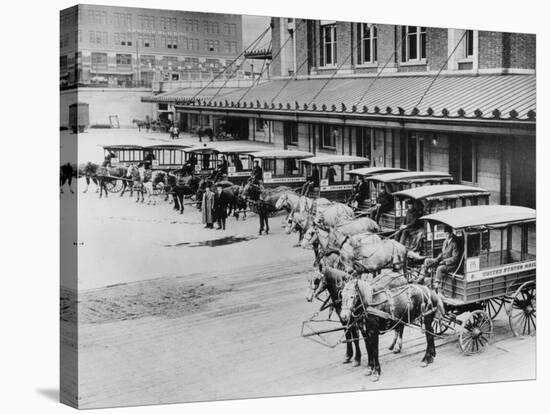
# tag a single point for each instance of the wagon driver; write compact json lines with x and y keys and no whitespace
{"x":447,"y":261}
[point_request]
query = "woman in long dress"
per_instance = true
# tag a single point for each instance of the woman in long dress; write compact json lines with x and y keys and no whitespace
{"x":207,"y":208}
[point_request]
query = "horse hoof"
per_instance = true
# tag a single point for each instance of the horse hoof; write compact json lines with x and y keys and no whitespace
{"x":369,"y":372}
{"x":346,"y":360}
{"x":397,"y":351}
{"x":390,"y":348}
{"x":356,"y":363}
{"x":375,"y":377}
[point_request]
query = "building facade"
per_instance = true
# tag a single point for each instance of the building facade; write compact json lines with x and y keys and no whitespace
{"x":123,"y":46}
{"x":452,"y":100}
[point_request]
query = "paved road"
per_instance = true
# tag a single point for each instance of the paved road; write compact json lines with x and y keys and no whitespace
{"x":166,"y":317}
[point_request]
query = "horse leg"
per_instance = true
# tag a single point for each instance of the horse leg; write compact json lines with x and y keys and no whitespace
{"x":355,"y":337}
{"x":123,"y":187}
{"x":181,"y":203}
{"x":70,"y":181}
{"x":349,"y":348}
{"x":176,"y":202}
{"x":430,"y":342}
{"x":397,"y":342}
{"x":373,"y":334}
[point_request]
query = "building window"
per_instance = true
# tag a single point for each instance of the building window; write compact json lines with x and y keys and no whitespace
{"x":169,"y":23}
{"x":211,"y":45}
{"x":147,"y":60}
{"x":123,"y":39}
{"x":64,"y":40}
{"x":63,"y":64}
{"x":463,"y":159}
{"x":97,"y":17}
{"x":123,"y":19}
{"x":290,"y":133}
{"x":99,"y":62}
{"x":146,"y":40}
{"x":325,"y":135}
{"x":211,"y":27}
{"x":469,"y":44}
{"x":190,"y":25}
{"x":230,"y":29}
{"x":98,"y":38}
{"x":170,"y":42}
{"x":230,"y":46}
{"x":368,"y":52}
{"x":146,"y":21}
{"x":328,"y":45}
{"x":123,"y":60}
{"x":413,"y":45}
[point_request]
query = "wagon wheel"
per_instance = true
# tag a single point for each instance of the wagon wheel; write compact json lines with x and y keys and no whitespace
{"x":493,"y":306}
{"x":475,"y":333}
{"x":113,"y":185}
{"x":522,"y":311}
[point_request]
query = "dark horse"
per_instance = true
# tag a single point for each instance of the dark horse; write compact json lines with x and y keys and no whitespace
{"x":68,"y":171}
{"x":181,"y":186}
{"x":205,"y":131}
{"x":381,"y":309}
{"x":269,"y":196}
{"x":332,"y":280}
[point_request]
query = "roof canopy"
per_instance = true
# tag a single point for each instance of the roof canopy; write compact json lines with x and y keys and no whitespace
{"x":203,"y":149}
{"x":477,"y":216}
{"x":122,"y":147}
{"x":282,"y":154}
{"x":336,"y":160}
{"x":412,"y":177}
{"x":483,"y":97}
{"x":239,"y":148}
{"x":442,"y":191}
{"x":368,"y":171}
{"x":168,"y":146}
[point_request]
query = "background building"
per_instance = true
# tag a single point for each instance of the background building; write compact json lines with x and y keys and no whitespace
{"x":124,"y":47}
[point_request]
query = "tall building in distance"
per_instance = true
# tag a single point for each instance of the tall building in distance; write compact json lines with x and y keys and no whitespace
{"x":124,"y":47}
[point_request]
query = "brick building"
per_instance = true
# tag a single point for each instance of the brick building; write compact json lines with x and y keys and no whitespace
{"x":421,"y":98}
{"x":124,"y":46}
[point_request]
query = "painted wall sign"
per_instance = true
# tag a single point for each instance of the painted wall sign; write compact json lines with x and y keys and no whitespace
{"x":502,"y":270}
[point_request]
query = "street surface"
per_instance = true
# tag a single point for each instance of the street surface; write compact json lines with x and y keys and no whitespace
{"x":172,"y":312}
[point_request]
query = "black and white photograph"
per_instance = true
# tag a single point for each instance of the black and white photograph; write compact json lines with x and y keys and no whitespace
{"x":264,"y":206}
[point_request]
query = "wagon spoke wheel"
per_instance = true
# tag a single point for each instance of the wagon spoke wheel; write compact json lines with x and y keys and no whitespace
{"x":113,"y":186}
{"x":476,"y":333}
{"x":522,"y":314}
{"x":493,"y":307}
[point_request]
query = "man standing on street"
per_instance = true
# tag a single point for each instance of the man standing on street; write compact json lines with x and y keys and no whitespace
{"x":208,"y":208}
{"x":220,"y":207}
{"x":263,"y":212}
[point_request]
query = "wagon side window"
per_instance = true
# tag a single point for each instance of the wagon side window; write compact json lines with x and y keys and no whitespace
{"x":474,"y":245}
{"x":531,"y":241}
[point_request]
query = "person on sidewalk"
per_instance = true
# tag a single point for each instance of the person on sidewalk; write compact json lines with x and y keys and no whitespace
{"x":220,"y":207}
{"x":208,"y":208}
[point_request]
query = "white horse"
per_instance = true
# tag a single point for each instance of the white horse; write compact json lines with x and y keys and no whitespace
{"x":334,"y":215}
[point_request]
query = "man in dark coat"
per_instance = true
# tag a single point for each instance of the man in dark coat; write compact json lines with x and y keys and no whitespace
{"x":362,"y":191}
{"x":331,"y":174}
{"x":312,"y":180}
{"x":220,"y":207}
{"x":257,"y":173}
{"x":238,"y":163}
{"x":411,"y":224}
{"x":189,"y":166}
{"x":448,"y":260}
{"x":384,"y":203}
{"x":263,"y":213}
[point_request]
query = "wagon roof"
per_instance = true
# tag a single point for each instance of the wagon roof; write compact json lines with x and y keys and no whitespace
{"x":202,"y":148}
{"x":368,"y":171}
{"x":477,"y":216}
{"x":411,"y":176}
{"x":442,"y":191}
{"x":282,"y":154}
{"x":336,"y":160}
{"x":233,"y":148}
{"x":167,"y":146}
{"x":122,"y":146}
